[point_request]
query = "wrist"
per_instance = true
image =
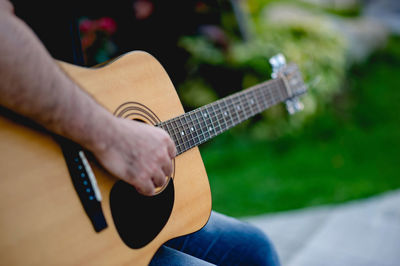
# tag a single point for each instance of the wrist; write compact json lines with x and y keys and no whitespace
{"x":99,"y":132}
{"x":86,"y":122}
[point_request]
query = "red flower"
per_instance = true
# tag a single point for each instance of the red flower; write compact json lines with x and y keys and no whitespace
{"x":107,"y":24}
{"x":86,"y":25}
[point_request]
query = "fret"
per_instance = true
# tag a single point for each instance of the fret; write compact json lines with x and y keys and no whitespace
{"x":171,"y":132}
{"x":216,"y":112}
{"x":168,"y":128}
{"x":232,"y":111}
{"x":179,"y":127}
{"x":181,"y":146}
{"x":200,"y":123}
{"x":277,"y":92}
{"x":195,"y":134}
{"x":195,"y":120}
{"x":262,"y":100}
{"x":270,"y":94}
{"x":187,"y":126}
{"x":282,"y":89}
{"x":203,"y":128}
{"x":176,"y":129}
{"x":206,"y":117}
{"x":267,"y":93}
{"x":176,"y":138}
{"x":203,"y":123}
{"x":221,"y":117}
{"x":209,"y":121}
{"x":228,"y":117}
{"x":241,"y":109}
{"x":189,"y":118}
{"x":254,"y":103}
{"x":225,"y":113}
{"x":214,"y":118}
{"x":188,"y":132}
{"x":274,"y":94}
{"x":183,"y":132}
{"x":282,"y":92}
{"x":180,"y":132}
{"x":247,"y":106}
{"x":238,"y":108}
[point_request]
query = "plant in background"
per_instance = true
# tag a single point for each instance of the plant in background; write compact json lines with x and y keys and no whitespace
{"x":96,"y":39}
{"x":317,"y":49}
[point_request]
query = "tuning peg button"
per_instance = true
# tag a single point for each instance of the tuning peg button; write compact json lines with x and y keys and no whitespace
{"x":298,"y":106}
{"x":294,"y":105}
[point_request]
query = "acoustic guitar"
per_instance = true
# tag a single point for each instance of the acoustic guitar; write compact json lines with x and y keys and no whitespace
{"x":60,"y":208}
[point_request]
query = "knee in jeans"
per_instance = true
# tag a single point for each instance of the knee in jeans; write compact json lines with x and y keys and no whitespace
{"x":262,"y":249}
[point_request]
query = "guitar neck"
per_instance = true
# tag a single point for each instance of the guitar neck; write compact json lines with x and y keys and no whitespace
{"x":198,"y":126}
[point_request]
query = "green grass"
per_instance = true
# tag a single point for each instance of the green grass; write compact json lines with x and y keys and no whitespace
{"x":348,"y":151}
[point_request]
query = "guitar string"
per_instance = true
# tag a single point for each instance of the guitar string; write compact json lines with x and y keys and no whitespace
{"x":210,"y":127}
{"x":237,"y":100}
{"x":246,"y":115}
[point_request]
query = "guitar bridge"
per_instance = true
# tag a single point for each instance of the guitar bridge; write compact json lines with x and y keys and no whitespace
{"x":84,"y":182}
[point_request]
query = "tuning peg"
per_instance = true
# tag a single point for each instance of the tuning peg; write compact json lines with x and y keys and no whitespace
{"x":294,"y":105}
{"x":277,"y":62}
{"x":290,"y":107}
{"x":298,"y":105}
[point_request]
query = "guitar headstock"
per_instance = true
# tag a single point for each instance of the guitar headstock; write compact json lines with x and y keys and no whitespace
{"x":294,"y":84}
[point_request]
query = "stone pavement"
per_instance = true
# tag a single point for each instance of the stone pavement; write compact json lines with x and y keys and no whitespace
{"x":385,"y":11}
{"x":363,"y":232}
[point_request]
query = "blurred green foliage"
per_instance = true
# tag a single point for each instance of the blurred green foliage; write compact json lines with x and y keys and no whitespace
{"x":316,"y":48}
{"x":344,"y":9}
{"x":350,"y":150}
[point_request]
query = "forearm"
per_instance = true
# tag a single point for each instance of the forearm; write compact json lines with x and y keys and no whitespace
{"x":33,"y":85}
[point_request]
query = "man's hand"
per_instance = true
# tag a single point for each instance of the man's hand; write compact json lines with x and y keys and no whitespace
{"x":139,"y":154}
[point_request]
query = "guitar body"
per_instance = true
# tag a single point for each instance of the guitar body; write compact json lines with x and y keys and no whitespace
{"x":42,"y":220}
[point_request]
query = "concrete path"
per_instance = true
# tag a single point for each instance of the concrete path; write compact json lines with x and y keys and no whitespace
{"x":385,"y":11}
{"x":364,"y":232}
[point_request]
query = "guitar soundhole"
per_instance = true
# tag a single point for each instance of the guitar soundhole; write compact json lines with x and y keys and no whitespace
{"x":138,"y":218}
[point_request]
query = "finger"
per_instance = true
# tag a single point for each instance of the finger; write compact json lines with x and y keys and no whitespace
{"x":144,"y":186}
{"x":168,"y":168}
{"x":159,"y":179}
{"x":171,"y":150}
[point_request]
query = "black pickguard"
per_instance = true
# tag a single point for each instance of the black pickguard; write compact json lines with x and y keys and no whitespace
{"x":138,"y":218}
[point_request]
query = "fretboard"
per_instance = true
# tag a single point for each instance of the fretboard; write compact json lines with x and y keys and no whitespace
{"x":198,"y":126}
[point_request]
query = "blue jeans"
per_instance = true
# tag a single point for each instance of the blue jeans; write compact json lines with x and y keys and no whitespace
{"x":223,"y":241}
